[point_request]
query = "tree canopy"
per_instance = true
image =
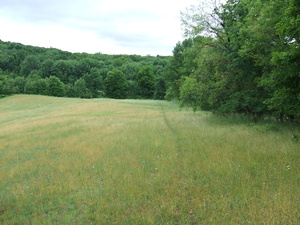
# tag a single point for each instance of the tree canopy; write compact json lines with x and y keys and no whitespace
{"x":80,"y":74}
{"x":243,"y":57}
{"x":116,"y":84}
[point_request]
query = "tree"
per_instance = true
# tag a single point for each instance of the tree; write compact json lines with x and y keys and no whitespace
{"x":85,"y":65}
{"x":174,"y":77}
{"x":145,"y":80}
{"x":47,"y":68}
{"x":20,"y":84}
{"x":71,"y":67}
{"x":7,"y":61}
{"x":283,"y":81}
{"x":131,"y":69}
{"x":7,"y":85}
{"x":64,"y":69}
{"x":81,"y":90}
{"x":119,"y":61}
{"x":37,"y":87}
{"x":227,"y":75}
{"x":56,"y":87}
{"x":160,"y":88}
{"x":31,"y":85}
{"x":116,"y":84}
{"x":30,"y":63}
{"x":190,"y":93}
{"x":94,"y":82}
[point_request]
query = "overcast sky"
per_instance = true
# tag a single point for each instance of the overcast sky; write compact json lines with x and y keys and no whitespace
{"x":106,"y":26}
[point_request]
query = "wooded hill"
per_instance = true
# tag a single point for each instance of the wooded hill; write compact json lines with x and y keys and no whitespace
{"x":49,"y":71}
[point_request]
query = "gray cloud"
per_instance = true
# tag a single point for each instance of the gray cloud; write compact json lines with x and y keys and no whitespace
{"x":39,"y":11}
{"x":35,"y":11}
{"x":129,"y":26}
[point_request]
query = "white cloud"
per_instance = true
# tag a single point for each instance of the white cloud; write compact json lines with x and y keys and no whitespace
{"x":107,"y":26}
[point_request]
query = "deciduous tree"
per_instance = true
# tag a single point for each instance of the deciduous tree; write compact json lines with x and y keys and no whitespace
{"x":116,"y":84}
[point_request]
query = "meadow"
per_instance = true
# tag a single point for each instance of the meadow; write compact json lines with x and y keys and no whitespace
{"x":104,"y":161}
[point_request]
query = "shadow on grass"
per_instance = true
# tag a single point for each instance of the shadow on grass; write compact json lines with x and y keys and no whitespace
{"x":3,"y":96}
{"x":261,"y":124}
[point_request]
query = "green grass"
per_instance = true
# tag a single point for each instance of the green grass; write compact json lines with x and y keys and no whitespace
{"x":103,"y":161}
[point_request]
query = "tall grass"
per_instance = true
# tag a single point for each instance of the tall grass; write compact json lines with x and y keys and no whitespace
{"x":101,"y":161}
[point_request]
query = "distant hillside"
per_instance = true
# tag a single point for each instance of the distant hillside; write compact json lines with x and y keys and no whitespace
{"x":36,"y":70}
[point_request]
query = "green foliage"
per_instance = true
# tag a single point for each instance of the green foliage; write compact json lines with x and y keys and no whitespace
{"x":20,"y":83}
{"x":133,"y":89}
{"x":37,"y":86}
{"x":56,"y":87}
{"x":8,"y":86}
{"x":121,"y":60}
{"x":131,"y":69}
{"x":190,"y":93}
{"x":160,"y":88}
{"x":239,"y":57}
{"x":30,"y":63}
{"x":64,"y":70}
{"x":177,"y":69}
{"x":47,"y":68}
{"x":94,"y":82}
{"x":145,"y":79}
{"x":17,"y":60}
{"x":81,"y":89}
{"x":283,"y":81}
{"x":116,"y":84}
{"x":249,"y":66}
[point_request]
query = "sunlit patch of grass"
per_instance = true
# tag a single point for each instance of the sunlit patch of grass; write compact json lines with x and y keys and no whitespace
{"x":102,"y":161}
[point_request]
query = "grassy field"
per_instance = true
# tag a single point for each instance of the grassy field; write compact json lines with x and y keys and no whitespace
{"x":103,"y":161}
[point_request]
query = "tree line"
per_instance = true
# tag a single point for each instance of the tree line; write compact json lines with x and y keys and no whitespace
{"x":240,"y":57}
{"x":49,"y":71}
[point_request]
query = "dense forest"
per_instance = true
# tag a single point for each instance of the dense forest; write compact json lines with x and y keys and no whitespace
{"x":49,"y":71}
{"x":240,"y":57}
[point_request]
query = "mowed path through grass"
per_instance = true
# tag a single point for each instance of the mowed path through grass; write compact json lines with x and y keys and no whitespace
{"x":103,"y":161}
